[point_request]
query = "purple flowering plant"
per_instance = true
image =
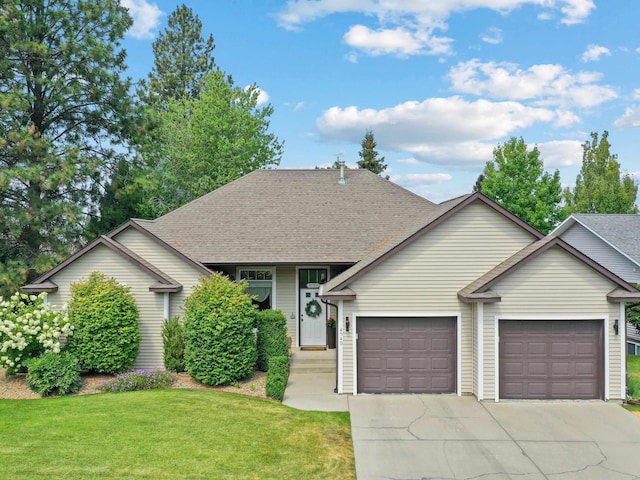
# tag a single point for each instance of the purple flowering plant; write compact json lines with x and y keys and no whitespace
{"x":139,"y":380}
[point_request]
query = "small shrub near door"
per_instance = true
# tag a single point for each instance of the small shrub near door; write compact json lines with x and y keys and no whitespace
{"x":105,"y":319}
{"x":220,"y":346}
{"x":277,"y":377}
{"x":173,"y":344}
{"x":139,"y":380}
{"x":271,"y":338}
{"x":54,"y":374}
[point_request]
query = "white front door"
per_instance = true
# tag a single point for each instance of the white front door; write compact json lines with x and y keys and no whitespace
{"x":313,"y":319}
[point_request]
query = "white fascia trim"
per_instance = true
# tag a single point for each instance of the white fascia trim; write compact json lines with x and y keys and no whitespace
{"x":167,"y":305}
{"x":603,"y":318}
{"x":622,"y":331}
{"x":458,"y":316}
{"x":480,"y":346}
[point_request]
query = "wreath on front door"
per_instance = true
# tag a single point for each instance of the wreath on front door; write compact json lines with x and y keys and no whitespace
{"x":313,"y":308}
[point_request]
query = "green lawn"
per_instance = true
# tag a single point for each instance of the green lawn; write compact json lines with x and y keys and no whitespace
{"x":633,"y":376}
{"x":171,"y":434}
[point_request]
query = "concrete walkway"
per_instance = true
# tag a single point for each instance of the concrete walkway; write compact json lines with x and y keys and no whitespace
{"x":314,"y":391}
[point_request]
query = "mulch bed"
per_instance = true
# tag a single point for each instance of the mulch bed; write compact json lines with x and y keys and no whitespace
{"x":15,"y":387}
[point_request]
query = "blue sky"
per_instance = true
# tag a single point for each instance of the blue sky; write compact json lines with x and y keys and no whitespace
{"x":440,"y":82}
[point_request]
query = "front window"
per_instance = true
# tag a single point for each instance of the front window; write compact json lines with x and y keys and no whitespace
{"x":260,"y":282}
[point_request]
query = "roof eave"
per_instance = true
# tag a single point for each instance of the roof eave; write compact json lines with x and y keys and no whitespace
{"x":48,"y":287}
{"x":479,"y":297}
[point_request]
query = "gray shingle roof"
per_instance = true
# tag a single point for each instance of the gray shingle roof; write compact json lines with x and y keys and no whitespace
{"x":621,"y":231}
{"x":291,"y":216}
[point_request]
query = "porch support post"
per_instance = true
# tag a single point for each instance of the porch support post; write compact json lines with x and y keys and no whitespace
{"x":167,"y":305}
{"x":340,"y":345}
{"x":480,"y":339}
{"x":622,"y":329}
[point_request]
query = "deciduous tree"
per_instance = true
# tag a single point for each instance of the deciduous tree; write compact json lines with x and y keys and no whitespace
{"x":600,"y":187}
{"x":209,"y":141}
{"x":64,"y":109}
{"x":516,"y":179}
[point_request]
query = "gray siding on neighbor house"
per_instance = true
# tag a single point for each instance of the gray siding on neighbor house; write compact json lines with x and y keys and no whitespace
{"x":555,"y":286}
{"x":588,"y":243}
{"x":150,"y":304}
{"x":424,"y":277}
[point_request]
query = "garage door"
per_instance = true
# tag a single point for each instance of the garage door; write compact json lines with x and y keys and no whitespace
{"x":406,"y":355}
{"x":551,"y":359}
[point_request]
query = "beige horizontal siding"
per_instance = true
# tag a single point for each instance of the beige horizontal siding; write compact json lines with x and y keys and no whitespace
{"x":553,"y":285}
{"x":183,"y":273}
{"x":286,"y":297}
{"x":150,"y":305}
{"x":425,"y":276}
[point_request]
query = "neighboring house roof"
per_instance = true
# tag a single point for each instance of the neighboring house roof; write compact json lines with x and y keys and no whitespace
{"x":164,"y":282}
{"x":621,"y":232}
{"x":412,"y":231}
{"x":479,"y":290}
{"x":291,"y":217}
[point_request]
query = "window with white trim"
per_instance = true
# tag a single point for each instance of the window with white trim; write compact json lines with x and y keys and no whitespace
{"x":260,"y":282}
{"x":633,"y":348}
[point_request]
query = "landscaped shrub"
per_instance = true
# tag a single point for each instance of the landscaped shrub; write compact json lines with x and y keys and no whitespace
{"x":633,"y":388}
{"x":139,"y":380}
{"x":271,"y":339}
{"x":277,"y":377}
{"x":105,"y":320}
{"x":173,"y":344}
{"x":218,"y":332}
{"x":28,"y":328}
{"x":54,"y":374}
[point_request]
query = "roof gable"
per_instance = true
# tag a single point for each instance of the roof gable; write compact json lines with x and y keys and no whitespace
{"x":164,"y":282}
{"x":412,"y":232}
{"x":479,"y":290}
{"x":290,"y":216}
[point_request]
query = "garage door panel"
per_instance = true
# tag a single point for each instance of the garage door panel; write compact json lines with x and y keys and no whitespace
{"x":551,"y":359}
{"x":416,"y":355}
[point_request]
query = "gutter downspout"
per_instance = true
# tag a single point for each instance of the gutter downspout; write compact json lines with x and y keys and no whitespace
{"x":335,"y":390}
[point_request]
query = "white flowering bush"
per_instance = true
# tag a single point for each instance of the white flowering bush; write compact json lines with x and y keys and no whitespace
{"x":28,"y":328}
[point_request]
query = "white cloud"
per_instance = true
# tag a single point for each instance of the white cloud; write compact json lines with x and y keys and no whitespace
{"x":546,"y":84}
{"x":415,"y":22}
{"x":630,"y":119}
{"x":146,"y":17}
{"x":561,"y":153}
{"x":408,"y":161}
{"x":420,"y":179}
{"x":492,"y":36}
{"x":351,"y":57}
{"x":298,"y":106}
{"x":263,"y":97}
{"x":450,"y":131}
{"x":594,"y":52}
{"x":399,"y":41}
{"x":636,"y":94}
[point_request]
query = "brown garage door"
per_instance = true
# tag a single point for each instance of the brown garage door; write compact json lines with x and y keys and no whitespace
{"x":406,"y":355}
{"x":551,"y":359}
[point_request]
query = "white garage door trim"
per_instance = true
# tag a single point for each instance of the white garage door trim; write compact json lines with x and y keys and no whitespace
{"x":605,"y":353}
{"x":457,"y":315}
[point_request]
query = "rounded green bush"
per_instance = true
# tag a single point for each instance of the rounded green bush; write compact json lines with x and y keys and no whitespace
{"x":218,"y":332}
{"x":54,"y":374}
{"x":173,"y":345}
{"x":104,"y":316}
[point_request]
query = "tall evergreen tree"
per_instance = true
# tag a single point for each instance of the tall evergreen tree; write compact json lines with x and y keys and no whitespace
{"x":516,"y":180}
{"x":182,"y":58}
{"x":600,"y":188}
{"x":369,"y":155}
{"x":64,"y":109}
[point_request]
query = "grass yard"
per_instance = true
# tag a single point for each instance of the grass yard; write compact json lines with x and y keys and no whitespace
{"x":633,"y":376}
{"x":171,"y":434}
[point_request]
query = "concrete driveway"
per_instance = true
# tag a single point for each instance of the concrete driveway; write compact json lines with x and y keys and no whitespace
{"x":449,"y":437}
